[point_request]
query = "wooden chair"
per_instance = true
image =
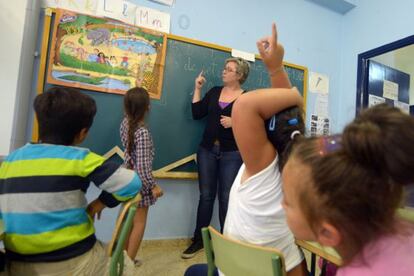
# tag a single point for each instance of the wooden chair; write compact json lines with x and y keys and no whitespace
{"x":120,"y":236}
{"x":235,"y":258}
{"x":406,"y":213}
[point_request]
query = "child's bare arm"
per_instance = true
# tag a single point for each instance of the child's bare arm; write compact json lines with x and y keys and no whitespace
{"x":272,"y":54}
{"x":157,"y":192}
{"x":248,"y":116}
{"x":252,"y":109}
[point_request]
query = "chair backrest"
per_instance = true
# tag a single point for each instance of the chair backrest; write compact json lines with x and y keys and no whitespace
{"x":120,"y":235}
{"x":406,"y":213}
{"x":238,"y":258}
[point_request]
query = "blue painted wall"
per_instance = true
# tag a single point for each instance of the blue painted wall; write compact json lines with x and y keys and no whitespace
{"x":320,"y":39}
{"x":371,"y":24}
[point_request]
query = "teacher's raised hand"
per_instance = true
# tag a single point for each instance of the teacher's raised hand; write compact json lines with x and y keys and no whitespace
{"x":200,"y":80}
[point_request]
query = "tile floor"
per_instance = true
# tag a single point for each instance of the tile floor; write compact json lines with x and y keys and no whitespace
{"x":163,"y":258}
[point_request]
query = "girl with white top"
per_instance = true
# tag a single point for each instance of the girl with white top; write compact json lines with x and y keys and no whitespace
{"x":265,"y":122}
{"x":264,"y":127}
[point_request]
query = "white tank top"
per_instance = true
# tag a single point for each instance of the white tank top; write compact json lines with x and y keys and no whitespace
{"x":255,"y":214}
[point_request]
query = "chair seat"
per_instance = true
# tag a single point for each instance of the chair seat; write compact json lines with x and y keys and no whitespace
{"x":238,"y":258}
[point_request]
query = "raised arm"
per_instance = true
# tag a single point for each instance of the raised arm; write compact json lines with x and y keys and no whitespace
{"x":199,"y":107}
{"x":272,"y":54}
{"x":198,"y":84}
{"x":248,"y":116}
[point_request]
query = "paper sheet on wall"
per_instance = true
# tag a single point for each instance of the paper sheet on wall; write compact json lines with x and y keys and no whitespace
{"x":390,"y":90}
{"x":243,"y":55}
{"x":127,"y":13}
{"x":321,"y":105}
{"x":374,"y":100}
{"x":81,"y":6}
{"x":152,"y":19}
{"x":109,"y":8}
{"x":121,"y":10}
{"x":318,"y":83}
{"x":49,"y":3}
{"x":403,"y":106}
{"x":112,"y":5}
{"x":319,"y":125}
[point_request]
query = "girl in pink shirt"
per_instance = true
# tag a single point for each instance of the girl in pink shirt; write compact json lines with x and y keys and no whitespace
{"x":343,"y":191}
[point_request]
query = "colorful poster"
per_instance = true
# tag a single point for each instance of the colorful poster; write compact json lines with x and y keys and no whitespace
{"x":105,"y":55}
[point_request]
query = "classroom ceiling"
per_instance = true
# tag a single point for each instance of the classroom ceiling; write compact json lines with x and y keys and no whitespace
{"x":339,"y":6}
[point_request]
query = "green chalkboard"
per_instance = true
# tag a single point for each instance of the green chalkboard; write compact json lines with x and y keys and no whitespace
{"x":176,"y":135}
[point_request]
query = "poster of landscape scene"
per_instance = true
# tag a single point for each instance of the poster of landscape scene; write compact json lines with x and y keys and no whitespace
{"x":105,"y":55}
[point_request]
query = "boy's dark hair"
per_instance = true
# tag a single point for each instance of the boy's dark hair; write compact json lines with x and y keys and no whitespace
{"x":280,"y":128}
{"x":136,"y":103}
{"x":62,"y":113}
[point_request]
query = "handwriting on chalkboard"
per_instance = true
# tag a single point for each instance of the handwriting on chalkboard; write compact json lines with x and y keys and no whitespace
{"x":175,"y":133}
{"x":189,"y":66}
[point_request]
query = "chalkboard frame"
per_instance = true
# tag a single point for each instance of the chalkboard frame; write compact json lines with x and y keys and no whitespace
{"x":257,"y":57}
{"x":168,"y":171}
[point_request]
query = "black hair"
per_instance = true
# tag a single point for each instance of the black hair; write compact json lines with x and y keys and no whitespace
{"x":62,"y":113}
{"x":283,"y":129}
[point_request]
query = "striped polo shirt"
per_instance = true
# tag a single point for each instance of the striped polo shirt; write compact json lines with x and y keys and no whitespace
{"x":43,"y":203}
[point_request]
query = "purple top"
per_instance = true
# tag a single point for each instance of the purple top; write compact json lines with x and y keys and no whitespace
{"x":223,"y":104}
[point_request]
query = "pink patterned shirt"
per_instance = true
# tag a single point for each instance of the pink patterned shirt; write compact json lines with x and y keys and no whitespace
{"x":389,"y":256}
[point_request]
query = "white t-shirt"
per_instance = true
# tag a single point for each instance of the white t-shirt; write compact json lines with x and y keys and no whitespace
{"x":255,"y":214}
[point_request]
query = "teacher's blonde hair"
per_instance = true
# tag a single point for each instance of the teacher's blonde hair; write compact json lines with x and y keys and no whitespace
{"x":243,"y":68}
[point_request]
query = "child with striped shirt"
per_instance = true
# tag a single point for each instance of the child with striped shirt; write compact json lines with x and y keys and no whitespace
{"x":48,"y":224}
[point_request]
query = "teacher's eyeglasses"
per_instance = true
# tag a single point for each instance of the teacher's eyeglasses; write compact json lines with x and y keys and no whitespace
{"x":229,"y":70}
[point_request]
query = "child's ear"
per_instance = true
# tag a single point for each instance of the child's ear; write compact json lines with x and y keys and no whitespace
{"x":81,"y":136}
{"x":328,"y":235}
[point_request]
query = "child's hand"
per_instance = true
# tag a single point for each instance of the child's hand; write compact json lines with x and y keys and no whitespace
{"x":225,"y":121}
{"x":157,"y":191}
{"x":95,"y":208}
{"x":271,"y":52}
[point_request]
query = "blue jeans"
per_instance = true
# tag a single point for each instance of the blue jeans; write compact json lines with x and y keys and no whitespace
{"x":216,"y":173}
{"x":198,"y":270}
